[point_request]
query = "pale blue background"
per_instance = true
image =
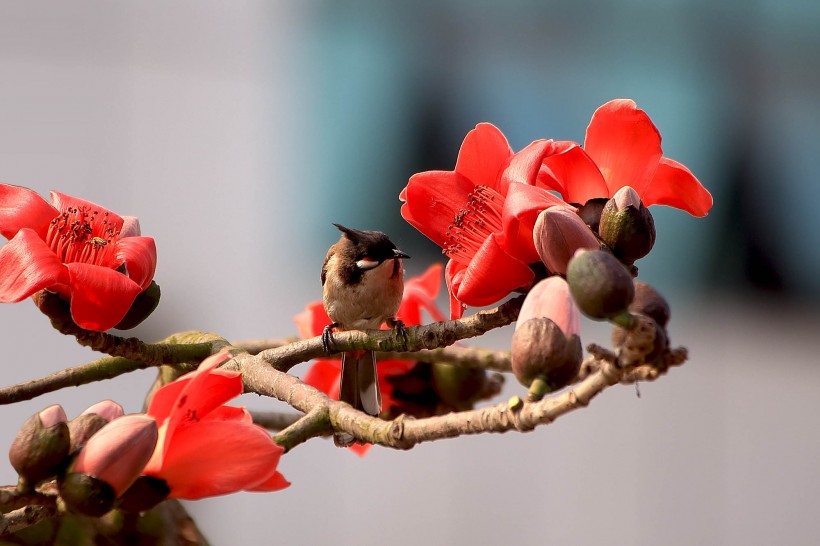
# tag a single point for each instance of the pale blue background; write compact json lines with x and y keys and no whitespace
{"x":239,"y":131}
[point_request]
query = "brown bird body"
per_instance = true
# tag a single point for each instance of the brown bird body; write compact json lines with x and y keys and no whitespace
{"x":362,"y":288}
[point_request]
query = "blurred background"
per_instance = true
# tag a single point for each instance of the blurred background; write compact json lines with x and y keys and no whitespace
{"x":238,"y":132}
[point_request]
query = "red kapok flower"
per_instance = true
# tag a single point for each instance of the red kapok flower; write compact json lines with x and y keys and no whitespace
{"x":420,"y":293}
{"x":622,"y":148}
{"x":481,"y":215}
{"x":88,"y":255}
{"x":205,"y":448}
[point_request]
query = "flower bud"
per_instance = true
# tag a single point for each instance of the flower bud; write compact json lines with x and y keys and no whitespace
{"x":458,"y":386}
{"x":541,"y":351}
{"x":645,"y":342}
{"x":144,"y":304}
{"x":145,"y":493}
{"x":85,"y":425}
{"x":599,"y":283}
{"x":87,"y":495}
{"x":649,"y":302}
{"x":551,"y":298}
{"x":557,"y":234}
{"x":41,"y":445}
{"x":117,"y":453}
{"x":627,"y":226}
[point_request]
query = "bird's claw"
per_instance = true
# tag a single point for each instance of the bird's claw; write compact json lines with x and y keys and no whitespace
{"x":327,"y":338}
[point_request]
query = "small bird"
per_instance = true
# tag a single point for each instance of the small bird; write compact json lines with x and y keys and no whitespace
{"x":362,"y":287}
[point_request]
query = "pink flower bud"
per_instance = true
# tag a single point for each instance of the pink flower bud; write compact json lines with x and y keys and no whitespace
{"x":558,"y":233}
{"x":118,"y":453}
{"x":551,"y":299}
{"x":626,"y":197}
{"x":107,"y":409}
{"x":41,"y":445}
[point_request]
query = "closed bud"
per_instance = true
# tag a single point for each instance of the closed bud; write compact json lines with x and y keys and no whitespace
{"x":557,"y":234}
{"x":118,"y":452}
{"x":41,"y":446}
{"x":649,"y":302}
{"x":646,"y":342}
{"x":86,"y":495}
{"x":541,"y":352}
{"x":144,"y":304}
{"x":627,"y":226}
{"x":85,"y":425}
{"x":458,"y":386}
{"x":599,"y":283}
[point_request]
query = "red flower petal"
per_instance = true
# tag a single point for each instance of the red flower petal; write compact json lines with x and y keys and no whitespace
{"x":27,"y":265}
{"x":675,"y":185}
{"x":420,"y":293}
{"x":483,"y":154}
{"x":453,"y":275}
{"x":432,"y":200}
{"x":22,"y":208}
{"x":324,"y":376}
{"x":100,"y":297}
{"x":568,"y":170}
{"x":492,"y":275}
{"x":276,"y":482}
{"x":521,"y":209}
{"x":524,"y":165}
{"x":625,"y":145}
{"x":139,"y":254}
{"x":213,"y":458}
{"x":63,"y":202}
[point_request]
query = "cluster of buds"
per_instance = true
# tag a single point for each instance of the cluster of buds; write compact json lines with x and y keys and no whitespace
{"x":96,"y":458}
{"x":595,"y":251}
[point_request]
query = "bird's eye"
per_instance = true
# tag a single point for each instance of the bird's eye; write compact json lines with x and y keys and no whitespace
{"x":366,"y":263}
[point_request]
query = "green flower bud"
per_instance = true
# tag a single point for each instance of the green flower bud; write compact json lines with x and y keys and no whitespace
{"x":87,"y":495}
{"x":144,"y":304}
{"x":41,"y":446}
{"x":541,"y":351}
{"x":627,"y":226}
{"x":458,"y":386}
{"x":599,"y":284}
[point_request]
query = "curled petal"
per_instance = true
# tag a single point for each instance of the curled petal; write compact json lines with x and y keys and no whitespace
{"x":276,"y":482}
{"x":139,"y":254}
{"x":453,"y":275}
{"x":483,"y":155}
{"x":492,"y":275}
{"x":625,"y":145}
{"x":28,"y":265}
{"x":568,"y":170}
{"x":675,"y":185}
{"x":432,"y":201}
{"x":22,"y":208}
{"x":524,"y":165}
{"x":100,"y":297}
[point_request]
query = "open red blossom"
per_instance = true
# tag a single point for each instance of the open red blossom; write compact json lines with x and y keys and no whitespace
{"x":205,"y":448}
{"x":88,"y":255}
{"x":622,"y":148}
{"x":420,"y":294}
{"x":481,"y":214}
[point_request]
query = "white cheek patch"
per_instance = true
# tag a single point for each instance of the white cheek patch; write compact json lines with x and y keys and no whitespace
{"x":366,"y":263}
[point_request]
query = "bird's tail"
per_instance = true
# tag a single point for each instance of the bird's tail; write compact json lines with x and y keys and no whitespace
{"x":359,"y":387}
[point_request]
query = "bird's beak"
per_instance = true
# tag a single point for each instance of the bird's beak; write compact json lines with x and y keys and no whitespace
{"x":399,"y":254}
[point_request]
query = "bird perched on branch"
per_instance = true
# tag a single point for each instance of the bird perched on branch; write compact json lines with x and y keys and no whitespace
{"x":363,"y":283}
